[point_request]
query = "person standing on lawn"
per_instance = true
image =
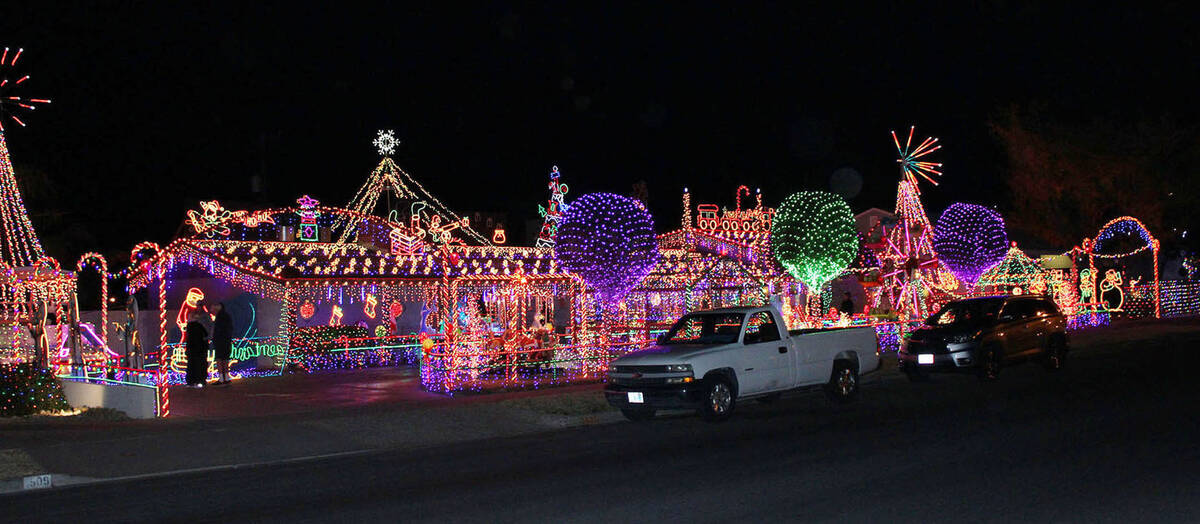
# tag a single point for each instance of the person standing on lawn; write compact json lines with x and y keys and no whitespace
{"x":847,"y":306}
{"x":222,"y":341}
{"x":196,"y":348}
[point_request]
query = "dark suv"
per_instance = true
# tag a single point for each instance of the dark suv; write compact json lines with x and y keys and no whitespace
{"x":984,"y":334}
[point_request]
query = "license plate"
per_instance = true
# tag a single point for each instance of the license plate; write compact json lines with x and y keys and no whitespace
{"x":635,"y":397}
{"x":925,"y":358}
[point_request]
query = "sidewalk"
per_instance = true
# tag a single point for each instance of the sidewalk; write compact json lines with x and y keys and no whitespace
{"x":285,"y":418}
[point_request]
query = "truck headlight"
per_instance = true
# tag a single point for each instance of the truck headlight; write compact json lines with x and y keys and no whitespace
{"x":679,"y":368}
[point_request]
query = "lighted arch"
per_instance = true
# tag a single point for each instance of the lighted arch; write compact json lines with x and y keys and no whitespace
{"x":1125,"y":224}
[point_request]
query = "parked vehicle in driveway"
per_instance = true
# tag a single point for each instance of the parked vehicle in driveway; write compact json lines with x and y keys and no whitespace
{"x":711,"y":360}
{"x":982,"y":335}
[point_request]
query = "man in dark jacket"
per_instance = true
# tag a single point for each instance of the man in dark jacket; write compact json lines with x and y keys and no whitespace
{"x":847,"y":307}
{"x":196,"y":347}
{"x":222,"y":340}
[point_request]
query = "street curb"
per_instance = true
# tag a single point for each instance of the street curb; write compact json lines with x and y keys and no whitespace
{"x":15,"y":486}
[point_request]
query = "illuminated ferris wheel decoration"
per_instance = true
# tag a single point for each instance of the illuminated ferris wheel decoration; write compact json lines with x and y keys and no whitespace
{"x":910,"y":156}
{"x":12,"y":105}
{"x":910,"y":269}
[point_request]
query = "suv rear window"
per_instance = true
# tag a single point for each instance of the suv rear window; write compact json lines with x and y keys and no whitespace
{"x":1020,"y":309}
{"x":965,"y":312}
{"x":1045,"y":308}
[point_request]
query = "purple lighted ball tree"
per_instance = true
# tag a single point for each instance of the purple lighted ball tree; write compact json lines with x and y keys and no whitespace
{"x":609,"y":241}
{"x":970,"y":239}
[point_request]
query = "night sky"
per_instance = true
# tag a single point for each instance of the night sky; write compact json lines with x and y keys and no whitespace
{"x":157,"y":106}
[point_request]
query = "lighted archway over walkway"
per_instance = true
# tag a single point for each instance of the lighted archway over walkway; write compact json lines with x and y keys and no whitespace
{"x":1126,"y":225}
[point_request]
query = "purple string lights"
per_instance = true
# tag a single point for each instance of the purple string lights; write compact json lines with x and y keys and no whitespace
{"x":609,"y":241}
{"x":970,"y":239}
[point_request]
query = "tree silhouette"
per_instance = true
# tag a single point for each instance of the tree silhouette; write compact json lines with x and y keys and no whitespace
{"x":1065,"y":180}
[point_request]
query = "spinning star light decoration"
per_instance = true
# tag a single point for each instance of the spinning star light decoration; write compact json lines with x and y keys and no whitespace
{"x":909,"y":163}
{"x":11,"y":104}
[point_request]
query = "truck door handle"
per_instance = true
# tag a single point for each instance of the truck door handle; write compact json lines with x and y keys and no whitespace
{"x":783,"y":349}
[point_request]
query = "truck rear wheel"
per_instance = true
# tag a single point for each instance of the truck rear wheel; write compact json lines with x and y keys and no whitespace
{"x":638,"y":415}
{"x":719,"y":401}
{"x":843,"y":383}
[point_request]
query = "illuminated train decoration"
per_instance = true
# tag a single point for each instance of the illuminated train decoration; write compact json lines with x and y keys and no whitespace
{"x":741,"y":224}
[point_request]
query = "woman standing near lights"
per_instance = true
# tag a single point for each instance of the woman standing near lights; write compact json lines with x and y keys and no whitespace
{"x":196,"y":346}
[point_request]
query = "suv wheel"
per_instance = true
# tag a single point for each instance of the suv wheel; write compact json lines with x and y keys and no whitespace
{"x":719,"y":401}
{"x":915,"y":374}
{"x":989,"y":365}
{"x":1056,"y":355}
{"x":638,"y":415}
{"x":843,"y":383}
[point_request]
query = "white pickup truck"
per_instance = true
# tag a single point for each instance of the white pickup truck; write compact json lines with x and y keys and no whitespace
{"x":710,"y":360}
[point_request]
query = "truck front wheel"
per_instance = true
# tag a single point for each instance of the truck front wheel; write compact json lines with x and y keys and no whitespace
{"x":719,"y":401}
{"x":843,"y":383}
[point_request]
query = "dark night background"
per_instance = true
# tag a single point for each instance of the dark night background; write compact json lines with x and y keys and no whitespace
{"x":157,"y":106}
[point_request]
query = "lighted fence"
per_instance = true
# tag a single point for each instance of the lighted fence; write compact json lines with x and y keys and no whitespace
{"x":243,"y":358}
{"x":1176,"y":298}
{"x":347,"y":352}
{"x":458,"y":367}
{"x":137,"y":392}
{"x":1180,"y":298}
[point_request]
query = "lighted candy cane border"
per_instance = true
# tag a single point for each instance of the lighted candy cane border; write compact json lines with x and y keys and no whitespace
{"x":102,"y":266}
{"x":59,"y":311}
{"x":160,"y":381}
{"x":1089,"y":247}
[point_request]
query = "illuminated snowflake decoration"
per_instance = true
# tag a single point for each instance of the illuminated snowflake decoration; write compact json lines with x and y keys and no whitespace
{"x":386,"y":142}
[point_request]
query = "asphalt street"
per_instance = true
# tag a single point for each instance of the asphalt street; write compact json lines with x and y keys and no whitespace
{"x":1115,"y":437}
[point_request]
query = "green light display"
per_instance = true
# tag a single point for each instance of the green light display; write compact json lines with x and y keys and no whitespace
{"x":813,"y":237}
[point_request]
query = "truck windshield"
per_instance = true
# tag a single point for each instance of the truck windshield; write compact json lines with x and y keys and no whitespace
{"x":966,"y":312}
{"x":705,"y":328}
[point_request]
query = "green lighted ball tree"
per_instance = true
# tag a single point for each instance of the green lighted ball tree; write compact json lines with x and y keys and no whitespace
{"x":813,"y":237}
